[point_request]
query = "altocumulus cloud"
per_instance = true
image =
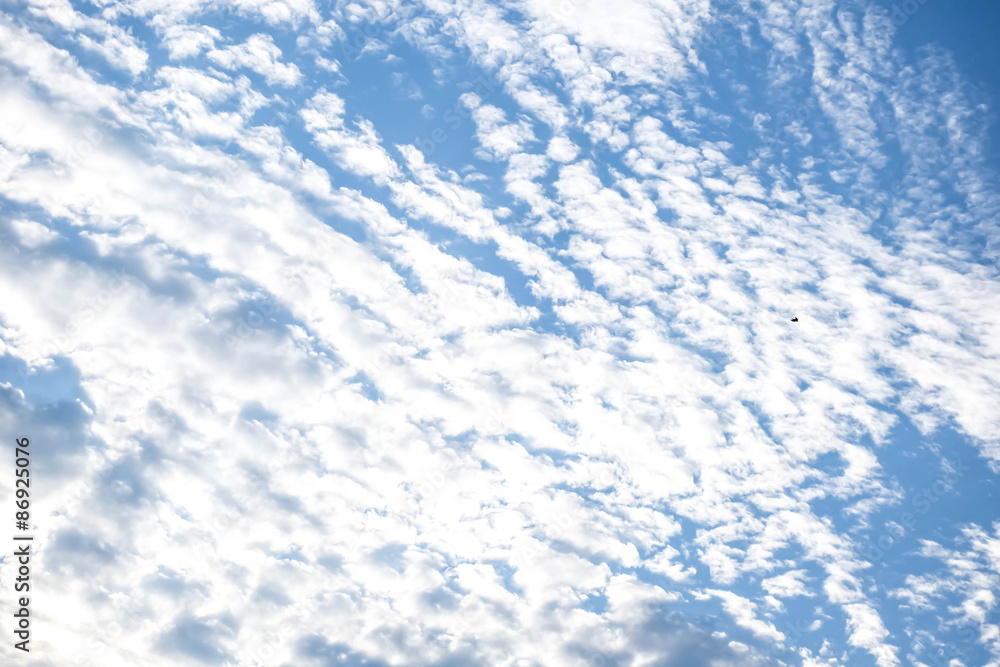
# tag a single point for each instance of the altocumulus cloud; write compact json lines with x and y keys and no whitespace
{"x":458,"y":333}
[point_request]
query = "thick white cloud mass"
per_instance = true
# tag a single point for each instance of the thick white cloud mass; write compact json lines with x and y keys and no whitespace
{"x":458,"y":332}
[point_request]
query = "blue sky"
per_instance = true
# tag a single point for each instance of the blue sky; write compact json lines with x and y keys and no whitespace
{"x":459,"y":332}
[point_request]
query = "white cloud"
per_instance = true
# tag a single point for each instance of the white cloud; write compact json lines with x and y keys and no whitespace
{"x":562,"y":149}
{"x":33,"y":234}
{"x":260,"y":54}
{"x":744,"y":612}
{"x":500,"y":139}
{"x":789,"y":584}
{"x":186,"y":41}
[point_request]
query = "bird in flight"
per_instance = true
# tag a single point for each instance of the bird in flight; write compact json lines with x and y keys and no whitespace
{"x":795,"y":319}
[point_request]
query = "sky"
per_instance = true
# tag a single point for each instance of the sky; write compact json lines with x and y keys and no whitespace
{"x":452,"y":332}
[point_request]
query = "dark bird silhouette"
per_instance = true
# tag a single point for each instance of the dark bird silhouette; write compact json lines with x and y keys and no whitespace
{"x":795,"y":319}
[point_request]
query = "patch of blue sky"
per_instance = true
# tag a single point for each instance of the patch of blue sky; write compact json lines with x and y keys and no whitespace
{"x":966,"y":29}
{"x":57,"y":382}
{"x":369,"y":388}
{"x":944,"y":487}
